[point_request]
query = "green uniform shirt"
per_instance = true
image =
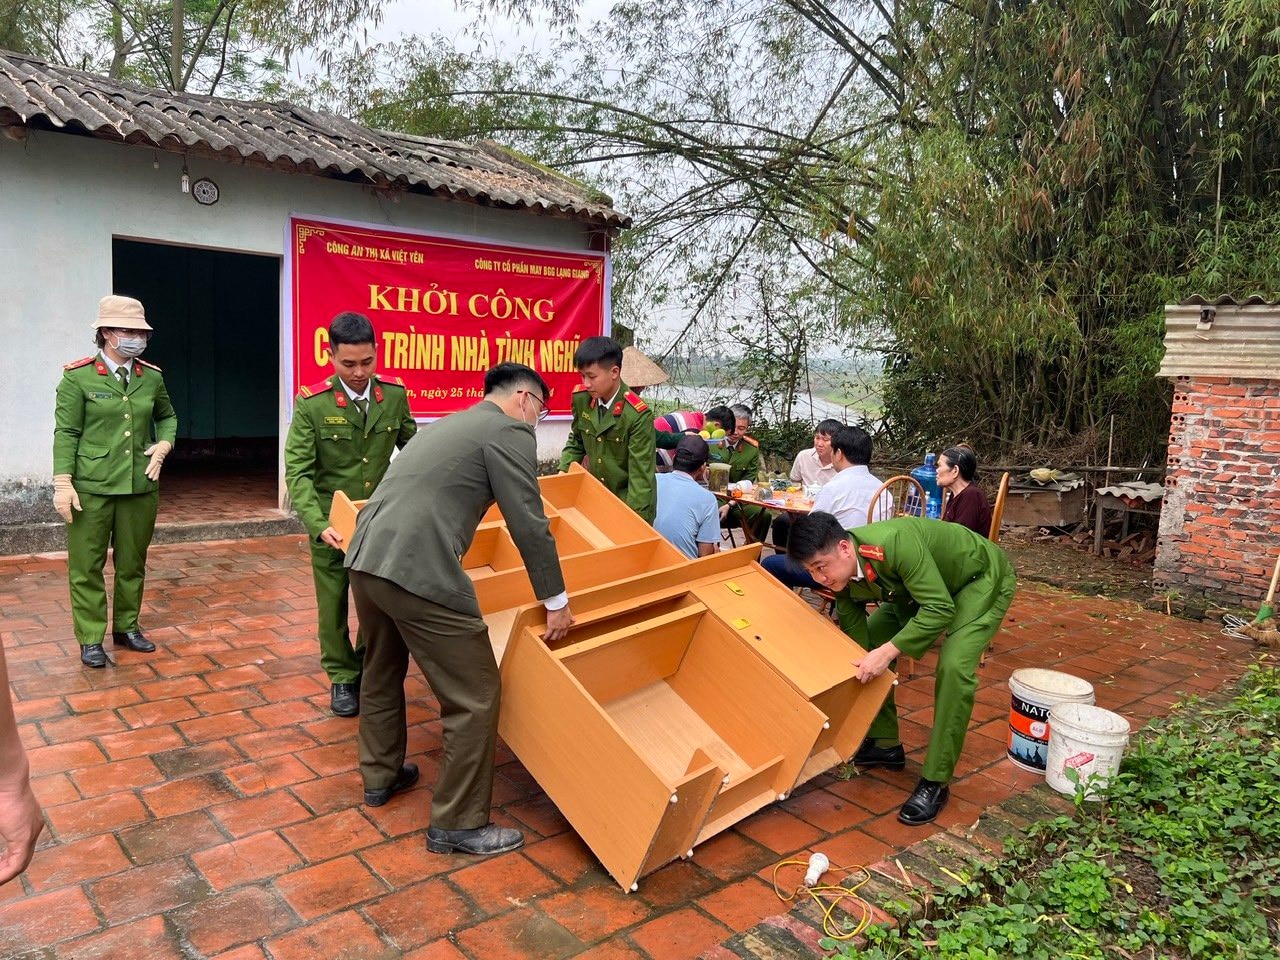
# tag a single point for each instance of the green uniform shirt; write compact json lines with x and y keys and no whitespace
{"x":329,"y":448}
{"x":101,"y":427}
{"x":620,"y":451}
{"x":919,"y":565}
{"x":744,"y":462}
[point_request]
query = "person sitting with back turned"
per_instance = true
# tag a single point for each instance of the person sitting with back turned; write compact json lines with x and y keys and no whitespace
{"x":671,"y":427}
{"x":929,"y":579}
{"x":688,"y":514}
{"x":849,"y":495}
{"x":967,"y":505}
{"x":811,"y":468}
{"x":414,"y":598}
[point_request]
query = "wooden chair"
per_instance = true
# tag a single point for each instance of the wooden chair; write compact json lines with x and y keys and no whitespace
{"x":997,"y":515}
{"x":997,"y":509}
{"x":907,"y":499}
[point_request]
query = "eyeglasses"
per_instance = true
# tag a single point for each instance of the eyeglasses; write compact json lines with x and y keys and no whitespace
{"x":543,"y":409}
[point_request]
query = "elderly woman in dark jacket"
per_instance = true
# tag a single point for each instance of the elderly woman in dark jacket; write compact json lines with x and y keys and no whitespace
{"x":967,"y":505}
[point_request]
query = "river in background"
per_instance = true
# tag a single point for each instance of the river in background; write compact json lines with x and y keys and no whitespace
{"x":702,"y":398}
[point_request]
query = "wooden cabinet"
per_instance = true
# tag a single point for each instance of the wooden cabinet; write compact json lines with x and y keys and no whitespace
{"x":689,"y":695}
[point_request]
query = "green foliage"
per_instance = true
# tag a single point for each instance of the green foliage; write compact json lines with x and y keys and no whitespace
{"x":1181,"y":859}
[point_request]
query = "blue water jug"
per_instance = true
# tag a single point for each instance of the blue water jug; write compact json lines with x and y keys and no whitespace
{"x":927,"y":476}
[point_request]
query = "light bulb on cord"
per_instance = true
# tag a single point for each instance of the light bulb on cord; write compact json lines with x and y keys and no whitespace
{"x":818,"y":865}
{"x":186,"y":180}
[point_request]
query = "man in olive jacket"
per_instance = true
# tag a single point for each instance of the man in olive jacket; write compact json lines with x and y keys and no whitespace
{"x":414,"y":598}
{"x":343,"y":433}
{"x":927,"y":577}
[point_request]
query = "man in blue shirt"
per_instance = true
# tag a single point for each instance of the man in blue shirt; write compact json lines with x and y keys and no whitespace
{"x":688,"y":514}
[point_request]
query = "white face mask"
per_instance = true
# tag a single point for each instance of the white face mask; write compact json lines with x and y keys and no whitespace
{"x":130,"y":346}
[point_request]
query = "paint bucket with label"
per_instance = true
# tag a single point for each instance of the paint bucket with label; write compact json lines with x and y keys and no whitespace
{"x":1088,"y":740}
{"x":1033,"y":693}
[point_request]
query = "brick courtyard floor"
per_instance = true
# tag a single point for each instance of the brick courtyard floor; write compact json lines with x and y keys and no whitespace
{"x":202,"y":803}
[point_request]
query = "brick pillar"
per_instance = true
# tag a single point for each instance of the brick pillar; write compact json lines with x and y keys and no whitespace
{"x":1220,"y":523}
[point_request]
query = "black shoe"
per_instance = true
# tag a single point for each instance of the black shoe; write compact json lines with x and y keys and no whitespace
{"x":481,"y":842}
{"x":344,"y":700}
{"x":924,"y":805}
{"x":133,"y":640}
{"x":869,"y":755}
{"x":92,"y":655}
{"x":407,"y":778}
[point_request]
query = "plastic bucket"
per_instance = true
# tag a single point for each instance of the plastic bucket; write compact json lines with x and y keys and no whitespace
{"x":1090,"y":741}
{"x":1034,"y":693}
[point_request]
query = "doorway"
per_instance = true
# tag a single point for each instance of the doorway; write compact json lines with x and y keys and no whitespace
{"x":217,"y":320}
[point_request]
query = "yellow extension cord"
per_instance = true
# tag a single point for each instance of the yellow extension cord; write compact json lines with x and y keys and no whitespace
{"x":827,"y":904}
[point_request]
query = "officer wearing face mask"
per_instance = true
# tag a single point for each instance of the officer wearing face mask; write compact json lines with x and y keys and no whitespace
{"x":113,"y":427}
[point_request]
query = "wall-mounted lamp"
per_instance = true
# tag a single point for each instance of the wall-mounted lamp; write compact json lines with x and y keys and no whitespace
{"x":186,"y":180}
{"x":1207,"y":316}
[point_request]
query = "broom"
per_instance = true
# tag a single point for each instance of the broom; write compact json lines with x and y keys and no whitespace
{"x":1263,"y":629}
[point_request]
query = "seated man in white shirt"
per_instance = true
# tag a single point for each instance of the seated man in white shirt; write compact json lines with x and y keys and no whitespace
{"x":812,"y":468}
{"x":688,"y":513}
{"x":848,"y":496}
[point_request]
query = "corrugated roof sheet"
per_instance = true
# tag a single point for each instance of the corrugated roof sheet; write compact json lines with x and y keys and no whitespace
{"x":1243,"y":340}
{"x":286,"y":137}
{"x":1226,"y":300}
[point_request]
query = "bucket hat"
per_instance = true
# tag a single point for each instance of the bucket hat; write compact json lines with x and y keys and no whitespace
{"x":125,"y":313}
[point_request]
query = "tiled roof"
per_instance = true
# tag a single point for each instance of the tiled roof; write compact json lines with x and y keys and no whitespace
{"x":286,"y":137}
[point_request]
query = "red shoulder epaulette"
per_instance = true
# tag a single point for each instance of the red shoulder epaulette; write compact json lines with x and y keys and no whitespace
{"x":324,"y":386}
{"x":636,"y":402}
{"x":77,"y":364}
{"x":752,"y":440}
{"x":147,"y":363}
{"x":870,"y":551}
{"x":396,"y":380}
{"x":578,"y":388}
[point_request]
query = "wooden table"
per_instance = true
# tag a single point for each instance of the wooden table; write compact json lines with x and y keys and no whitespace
{"x":1109,"y":501}
{"x":779,"y":506}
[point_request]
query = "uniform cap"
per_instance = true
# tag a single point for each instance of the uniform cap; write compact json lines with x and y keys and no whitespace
{"x":123,"y":312}
{"x":639,"y":371}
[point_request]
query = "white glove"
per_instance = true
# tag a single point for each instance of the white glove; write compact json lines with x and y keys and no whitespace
{"x":157,"y":452}
{"x":65,"y":498}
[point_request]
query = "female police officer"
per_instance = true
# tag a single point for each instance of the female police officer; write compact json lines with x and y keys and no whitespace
{"x":113,"y":427}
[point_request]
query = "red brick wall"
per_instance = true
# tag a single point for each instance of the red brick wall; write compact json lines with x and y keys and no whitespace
{"x":1220,"y":523}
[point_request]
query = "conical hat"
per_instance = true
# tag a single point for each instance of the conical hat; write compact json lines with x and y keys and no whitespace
{"x":639,"y":371}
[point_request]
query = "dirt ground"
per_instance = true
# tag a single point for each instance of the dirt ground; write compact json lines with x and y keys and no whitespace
{"x":1076,"y":568}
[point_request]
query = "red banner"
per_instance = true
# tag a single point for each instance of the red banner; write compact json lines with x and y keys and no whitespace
{"x":445,"y":310}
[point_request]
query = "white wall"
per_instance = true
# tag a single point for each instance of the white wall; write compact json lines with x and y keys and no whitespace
{"x":62,"y":200}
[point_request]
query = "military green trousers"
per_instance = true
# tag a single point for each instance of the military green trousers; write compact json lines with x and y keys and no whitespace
{"x":124,"y":524}
{"x":757,"y":519}
{"x":453,"y":651}
{"x":980,"y":609}
{"x":340,"y":661}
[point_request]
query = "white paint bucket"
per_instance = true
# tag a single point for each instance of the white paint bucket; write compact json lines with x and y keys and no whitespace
{"x":1090,"y":741}
{"x":1033,"y":693}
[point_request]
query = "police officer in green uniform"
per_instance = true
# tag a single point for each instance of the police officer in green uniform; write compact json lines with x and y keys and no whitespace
{"x":612,"y":433}
{"x":113,"y":427}
{"x":742,"y":453}
{"x":927,"y":577}
{"x":343,"y":433}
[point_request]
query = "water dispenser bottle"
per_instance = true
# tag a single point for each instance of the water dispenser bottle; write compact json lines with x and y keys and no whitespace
{"x":927,"y":476}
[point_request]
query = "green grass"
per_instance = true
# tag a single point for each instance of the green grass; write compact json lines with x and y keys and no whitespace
{"x":1181,"y":860}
